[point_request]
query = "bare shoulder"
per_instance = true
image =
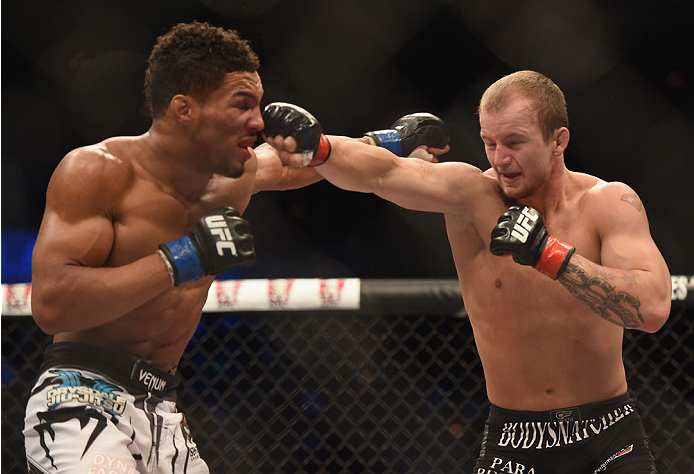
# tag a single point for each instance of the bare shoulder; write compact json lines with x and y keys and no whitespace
{"x":90,"y":177}
{"x":615,"y":196}
{"x":614,"y":207}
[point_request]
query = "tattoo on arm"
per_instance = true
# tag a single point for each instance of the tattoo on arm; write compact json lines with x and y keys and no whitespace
{"x":618,"y":307}
{"x":633,"y":200}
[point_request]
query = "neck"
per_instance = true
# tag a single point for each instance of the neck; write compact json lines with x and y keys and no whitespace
{"x":550,"y":197}
{"x":174,"y":165}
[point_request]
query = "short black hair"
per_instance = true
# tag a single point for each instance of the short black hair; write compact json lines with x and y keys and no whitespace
{"x":193,"y":59}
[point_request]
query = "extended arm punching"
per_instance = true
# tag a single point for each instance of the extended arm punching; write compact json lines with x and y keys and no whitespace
{"x":356,"y":166}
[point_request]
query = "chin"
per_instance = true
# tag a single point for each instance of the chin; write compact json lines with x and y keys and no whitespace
{"x":516,"y":193}
{"x":233,"y":168}
{"x":234,"y":173}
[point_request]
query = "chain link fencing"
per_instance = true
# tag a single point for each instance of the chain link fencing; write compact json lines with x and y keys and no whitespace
{"x":356,"y":391}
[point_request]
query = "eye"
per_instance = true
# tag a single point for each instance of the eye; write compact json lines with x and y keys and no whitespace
{"x":242,"y":104}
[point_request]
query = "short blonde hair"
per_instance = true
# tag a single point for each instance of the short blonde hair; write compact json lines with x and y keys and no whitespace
{"x":550,"y":104}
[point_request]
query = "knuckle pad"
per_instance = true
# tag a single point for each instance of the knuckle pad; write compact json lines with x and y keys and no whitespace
{"x":499,"y":232}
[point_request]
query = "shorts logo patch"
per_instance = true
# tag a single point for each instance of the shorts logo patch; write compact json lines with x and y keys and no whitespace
{"x":72,"y":385}
{"x":567,"y":414}
{"x":621,"y":453}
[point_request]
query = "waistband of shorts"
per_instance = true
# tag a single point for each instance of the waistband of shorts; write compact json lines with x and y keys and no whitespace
{"x":137,"y":375}
{"x":587,"y":411}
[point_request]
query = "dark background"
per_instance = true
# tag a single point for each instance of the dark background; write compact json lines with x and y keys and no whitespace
{"x":72,"y":74}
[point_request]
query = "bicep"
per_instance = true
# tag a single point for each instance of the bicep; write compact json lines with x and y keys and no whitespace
{"x":77,"y":228}
{"x":626,"y":241}
{"x":448,"y":188}
{"x":84,"y":241}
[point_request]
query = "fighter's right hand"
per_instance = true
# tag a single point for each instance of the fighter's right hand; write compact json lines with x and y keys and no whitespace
{"x":410,"y":132}
{"x":288,"y":120}
{"x":521,"y":232}
{"x":220,"y":241}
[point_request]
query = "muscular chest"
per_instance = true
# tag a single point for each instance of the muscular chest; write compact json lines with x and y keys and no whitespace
{"x":148,"y":216}
{"x":495,"y":285}
{"x":578,"y":231}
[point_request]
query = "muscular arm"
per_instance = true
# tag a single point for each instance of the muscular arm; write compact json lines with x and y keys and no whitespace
{"x":411,"y":183}
{"x":72,"y":290}
{"x":631,"y":288}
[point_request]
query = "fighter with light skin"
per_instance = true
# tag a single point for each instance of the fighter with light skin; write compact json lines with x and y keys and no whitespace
{"x":553,"y":266}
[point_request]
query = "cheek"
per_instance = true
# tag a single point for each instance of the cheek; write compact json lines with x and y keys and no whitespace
{"x":490,"y":155}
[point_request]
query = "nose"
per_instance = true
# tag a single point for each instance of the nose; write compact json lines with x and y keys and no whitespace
{"x":500,"y":157}
{"x":255,"y":124}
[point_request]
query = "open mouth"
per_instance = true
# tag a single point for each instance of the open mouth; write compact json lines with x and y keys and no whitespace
{"x":247,"y":143}
{"x":509,"y":176}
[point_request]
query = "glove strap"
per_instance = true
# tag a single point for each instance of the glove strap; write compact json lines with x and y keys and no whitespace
{"x":555,"y":256}
{"x":184,"y":260}
{"x":169,"y":267}
{"x":388,"y":139}
{"x":322,"y":153}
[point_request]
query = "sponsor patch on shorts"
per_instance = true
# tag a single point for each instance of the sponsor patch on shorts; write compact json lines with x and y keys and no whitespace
{"x":72,"y":385}
{"x":616,"y":455}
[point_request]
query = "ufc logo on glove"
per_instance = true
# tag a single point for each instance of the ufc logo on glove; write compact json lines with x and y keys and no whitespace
{"x":525,"y":224}
{"x":521,"y":232}
{"x":219,"y":228}
{"x":202,"y":251}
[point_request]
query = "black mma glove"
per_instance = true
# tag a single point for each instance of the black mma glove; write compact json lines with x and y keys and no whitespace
{"x":521,"y":232}
{"x":289,"y":120}
{"x":412,"y":131}
{"x":221,"y":240}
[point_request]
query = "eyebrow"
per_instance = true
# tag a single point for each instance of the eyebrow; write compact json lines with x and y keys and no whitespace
{"x":246,"y":94}
{"x":506,"y":137}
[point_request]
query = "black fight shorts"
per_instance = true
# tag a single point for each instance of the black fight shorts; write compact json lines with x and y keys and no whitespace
{"x":597,"y":438}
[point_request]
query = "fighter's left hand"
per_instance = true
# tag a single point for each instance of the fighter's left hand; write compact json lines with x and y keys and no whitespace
{"x":295,"y":134}
{"x":286,"y":150}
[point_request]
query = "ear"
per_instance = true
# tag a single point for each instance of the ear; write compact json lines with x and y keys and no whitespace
{"x":561,"y":140}
{"x":181,"y":106}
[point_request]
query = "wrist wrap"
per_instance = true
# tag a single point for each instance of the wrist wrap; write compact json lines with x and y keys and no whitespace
{"x":388,"y":139}
{"x":322,"y":153}
{"x":554,"y":258}
{"x":184,"y":259}
{"x":169,"y":266}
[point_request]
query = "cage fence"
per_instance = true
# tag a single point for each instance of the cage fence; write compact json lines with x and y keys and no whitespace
{"x":388,"y":388}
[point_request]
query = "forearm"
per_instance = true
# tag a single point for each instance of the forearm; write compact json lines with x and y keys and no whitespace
{"x":76,"y":298}
{"x":633,"y":299}
{"x":295,"y":178}
{"x":356,"y":166}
